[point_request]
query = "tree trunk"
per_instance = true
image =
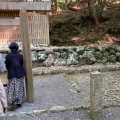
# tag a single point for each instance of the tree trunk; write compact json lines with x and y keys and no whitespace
{"x":56,"y":5}
{"x":95,"y":17}
{"x":78,"y":2}
{"x":89,"y":6}
{"x":92,"y":11}
{"x":66,"y":2}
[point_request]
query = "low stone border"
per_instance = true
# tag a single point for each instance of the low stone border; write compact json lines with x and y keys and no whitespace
{"x":75,"y":69}
{"x":54,"y":109}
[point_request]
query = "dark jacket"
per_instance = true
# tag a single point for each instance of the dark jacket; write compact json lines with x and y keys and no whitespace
{"x":14,"y":65}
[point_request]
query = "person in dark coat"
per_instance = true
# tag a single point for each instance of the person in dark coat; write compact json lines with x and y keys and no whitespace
{"x":16,"y":73}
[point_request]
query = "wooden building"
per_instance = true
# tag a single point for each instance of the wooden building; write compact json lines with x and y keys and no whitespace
{"x":38,"y":22}
{"x":32,"y":28}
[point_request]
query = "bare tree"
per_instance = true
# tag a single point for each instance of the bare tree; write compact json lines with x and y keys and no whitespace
{"x":95,"y":8}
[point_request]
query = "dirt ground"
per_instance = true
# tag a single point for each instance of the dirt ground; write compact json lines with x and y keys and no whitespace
{"x":74,"y":28}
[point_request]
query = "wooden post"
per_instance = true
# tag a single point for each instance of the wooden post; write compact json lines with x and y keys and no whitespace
{"x":96,"y":95}
{"x":27,"y":55}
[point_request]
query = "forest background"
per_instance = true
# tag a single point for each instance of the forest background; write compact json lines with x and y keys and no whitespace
{"x":85,"y":22}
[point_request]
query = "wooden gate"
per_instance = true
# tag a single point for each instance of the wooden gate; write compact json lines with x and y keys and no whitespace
{"x":38,"y":29}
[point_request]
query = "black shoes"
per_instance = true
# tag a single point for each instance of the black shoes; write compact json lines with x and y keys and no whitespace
{"x":19,"y":105}
{"x":14,"y":107}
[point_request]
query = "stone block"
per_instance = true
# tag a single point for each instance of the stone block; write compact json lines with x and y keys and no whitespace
{"x":96,"y":95}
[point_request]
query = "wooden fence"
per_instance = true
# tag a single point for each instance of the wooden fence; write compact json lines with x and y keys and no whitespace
{"x":38,"y":29}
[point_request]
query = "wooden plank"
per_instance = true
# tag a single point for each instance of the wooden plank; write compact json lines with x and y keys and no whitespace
{"x":6,"y":22}
{"x":43,"y":5}
{"x":47,"y":30}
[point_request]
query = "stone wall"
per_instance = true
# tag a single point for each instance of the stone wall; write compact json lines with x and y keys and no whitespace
{"x":67,"y":56}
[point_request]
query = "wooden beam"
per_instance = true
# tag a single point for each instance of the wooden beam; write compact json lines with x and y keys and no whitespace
{"x":9,"y":12}
{"x":32,"y":6}
{"x":27,"y":55}
{"x":10,"y":21}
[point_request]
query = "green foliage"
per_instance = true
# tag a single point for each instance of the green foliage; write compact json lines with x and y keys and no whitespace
{"x":113,"y":27}
{"x":62,"y":36}
{"x":63,"y":1}
{"x":94,"y":37}
{"x":83,"y":32}
{"x":99,"y":42}
{"x":67,"y":41}
{"x":107,"y":35}
{"x":99,"y":6}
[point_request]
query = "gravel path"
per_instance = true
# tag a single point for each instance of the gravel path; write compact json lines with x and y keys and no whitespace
{"x":52,"y":91}
{"x":110,"y":87}
{"x":67,"y":91}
